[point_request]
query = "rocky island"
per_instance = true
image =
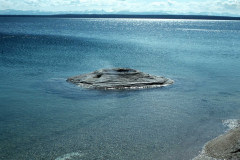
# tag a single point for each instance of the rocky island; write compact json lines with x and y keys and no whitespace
{"x":118,"y":79}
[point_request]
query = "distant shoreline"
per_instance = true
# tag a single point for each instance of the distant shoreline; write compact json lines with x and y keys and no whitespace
{"x":191,"y":17}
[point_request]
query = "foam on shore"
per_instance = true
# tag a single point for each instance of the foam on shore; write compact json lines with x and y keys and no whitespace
{"x":231,"y":123}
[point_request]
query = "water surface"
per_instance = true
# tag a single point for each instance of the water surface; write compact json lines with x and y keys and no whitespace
{"x":44,"y":117}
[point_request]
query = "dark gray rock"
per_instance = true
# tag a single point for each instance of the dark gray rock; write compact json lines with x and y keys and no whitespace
{"x":119,"y":78}
{"x":226,"y":146}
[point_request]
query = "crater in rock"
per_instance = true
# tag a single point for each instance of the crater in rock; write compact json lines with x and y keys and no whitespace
{"x":119,"y":78}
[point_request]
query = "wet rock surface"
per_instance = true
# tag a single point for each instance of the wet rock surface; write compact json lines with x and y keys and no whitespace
{"x":119,"y":78}
{"x":224,"y":147}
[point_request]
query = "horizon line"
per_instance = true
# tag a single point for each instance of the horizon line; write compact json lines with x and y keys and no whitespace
{"x":116,"y":15}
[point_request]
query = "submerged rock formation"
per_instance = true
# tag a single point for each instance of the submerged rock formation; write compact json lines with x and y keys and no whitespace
{"x":224,"y":147}
{"x":119,"y":78}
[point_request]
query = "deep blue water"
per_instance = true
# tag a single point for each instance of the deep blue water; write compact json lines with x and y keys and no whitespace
{"x":44,"y":117}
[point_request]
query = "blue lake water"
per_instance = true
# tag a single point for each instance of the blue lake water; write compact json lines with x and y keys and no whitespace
{"x":44,"y":117}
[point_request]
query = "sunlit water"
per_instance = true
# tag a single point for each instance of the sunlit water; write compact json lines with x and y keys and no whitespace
{"x":44,"y":117}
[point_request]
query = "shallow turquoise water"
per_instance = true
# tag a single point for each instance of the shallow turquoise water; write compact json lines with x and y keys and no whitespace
{"x":44,"y":117}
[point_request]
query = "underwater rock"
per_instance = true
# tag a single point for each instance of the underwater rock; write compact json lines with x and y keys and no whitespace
{"x":70,"y":156}
{"x":119,"y":78}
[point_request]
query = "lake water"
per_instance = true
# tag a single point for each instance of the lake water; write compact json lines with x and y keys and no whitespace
{"x":44,"y":117}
